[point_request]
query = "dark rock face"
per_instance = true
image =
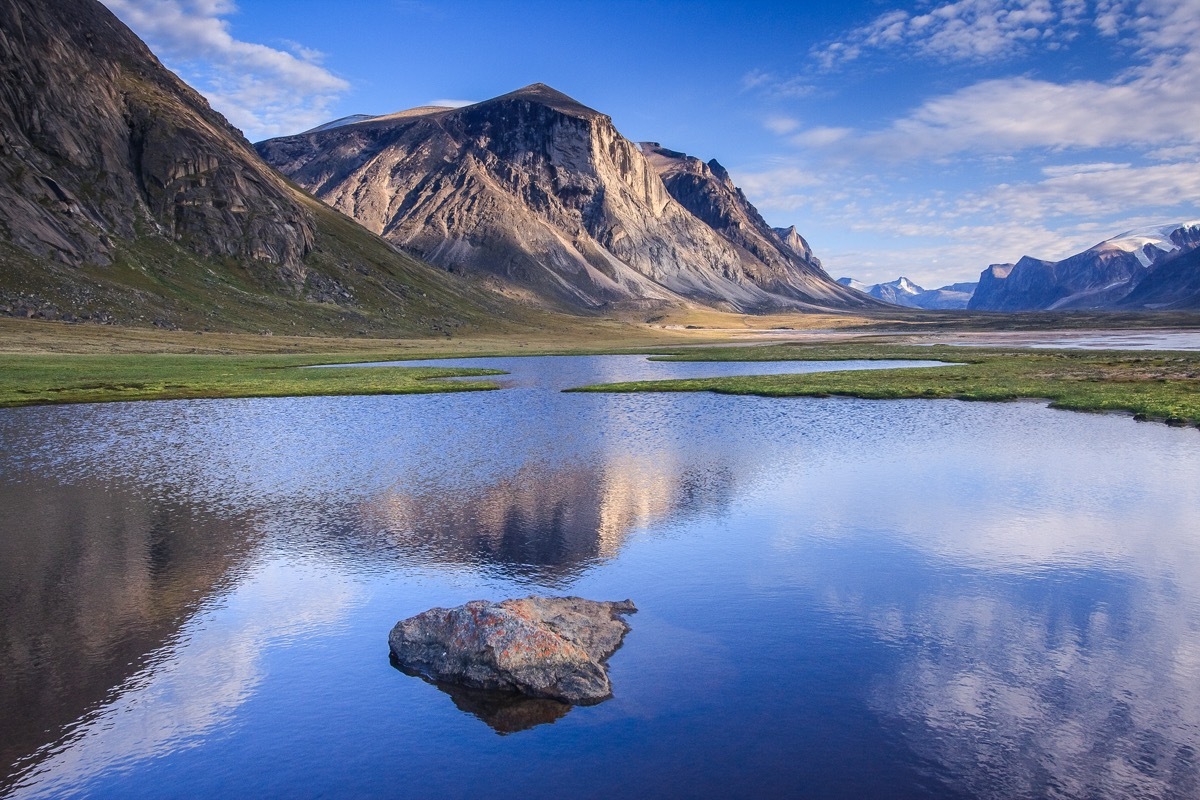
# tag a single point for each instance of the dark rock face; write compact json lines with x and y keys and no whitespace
{"x":1107,"y":275}
{"x":125,"y":199}
{"x":99,"y":142}
{"x":1172,"y":284}
{"x":542,"y":647}
{"x":780,"y":260}
{"x":542,"y":192}
{"x":1086,"y":280}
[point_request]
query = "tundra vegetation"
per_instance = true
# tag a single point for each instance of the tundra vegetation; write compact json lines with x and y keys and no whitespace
{"x":1157,"y":385}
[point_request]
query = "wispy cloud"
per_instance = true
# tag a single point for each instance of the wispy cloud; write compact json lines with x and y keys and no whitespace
{"x":261,"y":89}
{"x":938,"y":237}
{"x":1065,"y":170}
{"x":776,"y":85}
{"x":780,"y":124}
{"x":1150,"y":105}
{"x":962,"y":30}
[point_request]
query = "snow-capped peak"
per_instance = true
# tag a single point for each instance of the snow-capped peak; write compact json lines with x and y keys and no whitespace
{"x":905,"y":285}
{"x":858,"y":285}
{"x":1158,"y":237}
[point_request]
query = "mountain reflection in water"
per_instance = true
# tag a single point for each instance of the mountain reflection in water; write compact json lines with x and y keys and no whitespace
{"x":543,"y":523}
{"x":837,"y":598}
{"x":96,"y":577}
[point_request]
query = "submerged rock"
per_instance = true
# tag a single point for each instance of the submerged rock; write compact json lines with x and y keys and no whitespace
{"x":545,"y":647}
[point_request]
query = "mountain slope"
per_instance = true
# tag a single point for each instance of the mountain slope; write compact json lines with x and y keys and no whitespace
{"x":1100,"y":277}
{"x":124,"y":197}
{"x":541,"y":192}
{"x":1172,"y":284}
{"x":780,"y":261}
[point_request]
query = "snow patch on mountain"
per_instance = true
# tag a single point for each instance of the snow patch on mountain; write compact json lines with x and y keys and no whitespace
{"x":1159,"y":237}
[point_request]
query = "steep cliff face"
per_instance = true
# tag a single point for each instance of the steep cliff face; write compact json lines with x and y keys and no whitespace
{"x":1171,"y":284}
{"x":125,"y":198}
{"x":100,"y":142}
{"x":797,"y":244}
{"x":1102,"y":276}
{"x":537,"y":189}
{"x":779,"y":261}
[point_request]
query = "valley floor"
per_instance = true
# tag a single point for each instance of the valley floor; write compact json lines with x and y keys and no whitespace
{"x":48,"y":363}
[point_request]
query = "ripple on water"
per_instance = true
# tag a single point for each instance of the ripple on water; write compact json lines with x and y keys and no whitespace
{"x":859,"y":598}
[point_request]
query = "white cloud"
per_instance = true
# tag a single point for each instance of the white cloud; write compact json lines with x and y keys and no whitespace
{"x":781,"y":125}
{"x":1097,"y":194}
{"x":1034,"y":166}
{"x":263,"y":90}
{"x":821,"y":136}
{"x":962,"y":30}
{"x":1079,"y":169}
{"x":936,"y":237}
{"x":778,"y":86}
{"x":1150,"y":105}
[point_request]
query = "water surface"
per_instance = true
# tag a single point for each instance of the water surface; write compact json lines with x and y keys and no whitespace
{"x":1085,"y":340}
{"x":838,"y":597}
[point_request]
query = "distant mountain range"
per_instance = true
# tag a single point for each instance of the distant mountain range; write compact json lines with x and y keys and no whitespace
{"x":903,"y":292}
{"x":544,"y":197}
{"x":1144,"y":269}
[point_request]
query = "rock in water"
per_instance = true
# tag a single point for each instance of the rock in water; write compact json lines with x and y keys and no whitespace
{"x":550,"y":647}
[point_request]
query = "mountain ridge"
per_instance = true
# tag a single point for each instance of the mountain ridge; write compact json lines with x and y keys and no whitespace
{"x":543,"y":193}
{"x":1103,"y":276}
{"x":125,"y":198}
{"x":903,"y":292}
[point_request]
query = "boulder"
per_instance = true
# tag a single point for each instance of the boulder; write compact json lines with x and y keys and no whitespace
{"x":545,"y":647}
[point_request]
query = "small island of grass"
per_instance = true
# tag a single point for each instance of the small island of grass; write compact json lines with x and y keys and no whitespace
{"x":1153,"y":385}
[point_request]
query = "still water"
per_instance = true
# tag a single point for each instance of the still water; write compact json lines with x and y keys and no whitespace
{"x":838,"y":598}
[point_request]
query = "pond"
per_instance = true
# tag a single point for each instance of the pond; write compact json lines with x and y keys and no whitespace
{"x":1081,"y":340}
{"x":837,"y":597}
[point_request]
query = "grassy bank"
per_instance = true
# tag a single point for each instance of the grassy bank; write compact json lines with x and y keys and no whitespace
{"x":1151,"y":385}
{"x":51,"y":362}
{"x":50,"y":379}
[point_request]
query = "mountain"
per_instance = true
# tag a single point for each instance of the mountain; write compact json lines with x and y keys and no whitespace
{"x":337,"y":123}
{"x":903,"y":292}
{"x":782,"y":262}
{"x":1103,"y":276}
{"x":1172,"y":284}
{"x":542,"y":195}
{"x":797,"y":244}
{"x":124,"y":197}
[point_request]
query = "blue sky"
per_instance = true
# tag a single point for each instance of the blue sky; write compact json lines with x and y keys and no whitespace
{"x":927,"y":139}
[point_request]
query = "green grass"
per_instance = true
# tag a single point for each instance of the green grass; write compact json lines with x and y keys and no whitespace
{"x":1151,"y":385}
{"x":48,"y":379}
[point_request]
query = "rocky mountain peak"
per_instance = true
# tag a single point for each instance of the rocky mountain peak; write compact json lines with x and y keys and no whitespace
{"x":542,"y":192}
{"x":797,"y":244}
{"x":719,"y":171}
{"x":541,"y":94}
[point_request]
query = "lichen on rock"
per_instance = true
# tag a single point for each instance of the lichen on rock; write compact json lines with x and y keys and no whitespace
{"x":547,"y":647}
